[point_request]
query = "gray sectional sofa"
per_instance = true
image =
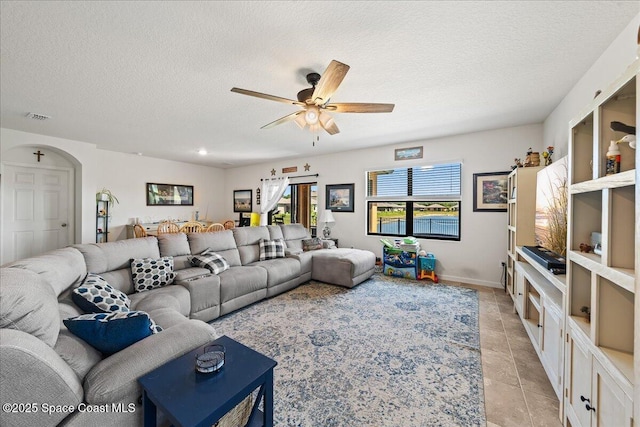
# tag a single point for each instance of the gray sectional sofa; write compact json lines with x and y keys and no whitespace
{"x":49,"y":376}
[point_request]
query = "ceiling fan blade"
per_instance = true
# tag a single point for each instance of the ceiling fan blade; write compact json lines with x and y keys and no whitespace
{"x":284,"y":119}
{"x":329,"y":82}
{"x":266,"y":96}
{"x":331,"y":128}
{"x":356,"y":107}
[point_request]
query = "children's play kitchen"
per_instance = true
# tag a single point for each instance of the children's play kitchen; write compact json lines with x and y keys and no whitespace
{"x":403,"y":258}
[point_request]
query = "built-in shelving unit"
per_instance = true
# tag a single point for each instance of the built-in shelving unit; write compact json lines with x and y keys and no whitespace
{"x":538,"y":295}
{"x":601,"y":309}
{"x":585,"y":326}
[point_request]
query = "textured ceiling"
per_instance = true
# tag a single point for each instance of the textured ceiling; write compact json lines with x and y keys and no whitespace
{"x":155,"y":77}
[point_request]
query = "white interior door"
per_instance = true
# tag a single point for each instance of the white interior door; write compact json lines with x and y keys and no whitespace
{"x":36,"y":212}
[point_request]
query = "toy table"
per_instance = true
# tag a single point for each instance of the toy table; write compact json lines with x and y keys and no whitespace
{"x":427,"y":267}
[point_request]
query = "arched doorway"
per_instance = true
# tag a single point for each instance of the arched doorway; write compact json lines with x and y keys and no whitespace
{"x":37,"y":201}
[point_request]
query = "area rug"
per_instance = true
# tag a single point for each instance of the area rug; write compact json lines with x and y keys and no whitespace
{"x":389,"y":352}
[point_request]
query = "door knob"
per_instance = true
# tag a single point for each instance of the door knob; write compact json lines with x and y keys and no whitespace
{"x":584,"y":399}
{"x":590,"y":408}
{"x":64,"y":224}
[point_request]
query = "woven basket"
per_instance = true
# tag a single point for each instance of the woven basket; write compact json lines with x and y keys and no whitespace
{"x":238,"y":416}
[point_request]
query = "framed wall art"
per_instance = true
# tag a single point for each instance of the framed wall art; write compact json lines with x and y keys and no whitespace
{"x":242,"y":201}
{"x":408,"y":153}
{"x":169,"y":195}
{"x":490,"y":193}
{"x":339,"y":198}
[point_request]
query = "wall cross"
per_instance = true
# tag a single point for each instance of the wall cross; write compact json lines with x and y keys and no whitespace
{"x":39,"y":154}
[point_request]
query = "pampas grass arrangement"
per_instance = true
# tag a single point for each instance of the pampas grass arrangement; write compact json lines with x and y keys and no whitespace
{"x":557,"y":215}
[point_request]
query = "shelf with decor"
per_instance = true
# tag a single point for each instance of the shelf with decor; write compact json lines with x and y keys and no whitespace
{"x":602,"y":271}
{"x":102,"y":221}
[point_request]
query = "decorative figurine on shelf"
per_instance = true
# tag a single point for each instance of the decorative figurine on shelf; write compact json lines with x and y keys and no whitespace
{"x":585,"y":248}
{"x":586,"y":310}
{"x":547,"y":155}
{"x":629,"y":130}
{"x":102,"y":212}
{"x":631,"y":139}
{"x":532,"y":159}
{"x":517,"y":165}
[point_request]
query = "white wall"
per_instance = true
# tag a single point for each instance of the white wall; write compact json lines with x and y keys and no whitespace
{"x":475,"y":258}
{"x":126,"y":176}
{"x":611,"y":64}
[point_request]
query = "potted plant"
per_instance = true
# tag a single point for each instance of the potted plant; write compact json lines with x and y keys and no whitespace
{"x":106,"y":195}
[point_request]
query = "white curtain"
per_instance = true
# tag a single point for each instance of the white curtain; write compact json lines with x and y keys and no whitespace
{"x":272,"y":191}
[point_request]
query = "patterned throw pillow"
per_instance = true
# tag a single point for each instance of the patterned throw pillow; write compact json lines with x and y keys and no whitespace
{"x":311,"y":244}
{"x":210,"y":260}
{"x":95,"y":295}
{"x":270,"y":249}
{"x":150,"y":273}
{"x":111,"y":332}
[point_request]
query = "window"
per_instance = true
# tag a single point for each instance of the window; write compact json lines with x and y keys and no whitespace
{"x":420,"y":201}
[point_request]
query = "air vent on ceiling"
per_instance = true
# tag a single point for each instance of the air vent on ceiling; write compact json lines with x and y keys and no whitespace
{"x":36,"y":116}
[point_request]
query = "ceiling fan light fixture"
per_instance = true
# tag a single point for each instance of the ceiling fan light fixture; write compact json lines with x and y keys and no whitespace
{"x":311,"y":116}
{"x":325,"y":119}
{"x":315,"y":128}
{"x":300,"y":121}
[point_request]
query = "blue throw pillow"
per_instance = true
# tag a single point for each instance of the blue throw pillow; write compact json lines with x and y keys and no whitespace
{"x":95,"y":295}
{"x":111,"y":332}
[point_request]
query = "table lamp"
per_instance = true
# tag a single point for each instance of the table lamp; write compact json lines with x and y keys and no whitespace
{"x":327,"y":218}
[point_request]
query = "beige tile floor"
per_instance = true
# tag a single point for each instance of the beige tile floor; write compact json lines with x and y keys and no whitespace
{"x":517,"y":391}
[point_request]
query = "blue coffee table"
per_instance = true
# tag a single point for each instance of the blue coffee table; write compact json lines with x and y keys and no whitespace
{"x":190,"y":398}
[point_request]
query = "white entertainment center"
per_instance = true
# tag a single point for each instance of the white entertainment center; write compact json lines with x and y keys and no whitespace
{"x":583,"y":324}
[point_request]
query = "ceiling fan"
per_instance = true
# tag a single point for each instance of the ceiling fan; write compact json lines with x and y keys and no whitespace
{"x":315,"y":101}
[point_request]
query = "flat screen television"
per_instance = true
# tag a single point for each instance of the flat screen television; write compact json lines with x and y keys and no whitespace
{"x":551,"y":217}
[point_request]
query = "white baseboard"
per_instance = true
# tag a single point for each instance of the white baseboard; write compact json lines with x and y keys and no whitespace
{"x":471,"y":281}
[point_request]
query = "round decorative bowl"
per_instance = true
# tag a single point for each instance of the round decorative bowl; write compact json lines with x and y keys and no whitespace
{"x":211,"y":360}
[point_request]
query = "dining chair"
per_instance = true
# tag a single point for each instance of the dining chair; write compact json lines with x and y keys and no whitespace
{"x":168,"y":227}
{"x":216,"y":226}
{"x":139,"y":231}
{"x":191,"y":227}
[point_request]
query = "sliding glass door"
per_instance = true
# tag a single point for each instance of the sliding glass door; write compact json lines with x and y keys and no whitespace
{"x":299,"y":204}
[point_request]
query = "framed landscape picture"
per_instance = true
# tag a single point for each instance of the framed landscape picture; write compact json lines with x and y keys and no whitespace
{"x":169,"y":195}
{"x":408,"y":153}
{"x":490,"y":192}
{"x":339,"y":198}
{"x":242,"y":201}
